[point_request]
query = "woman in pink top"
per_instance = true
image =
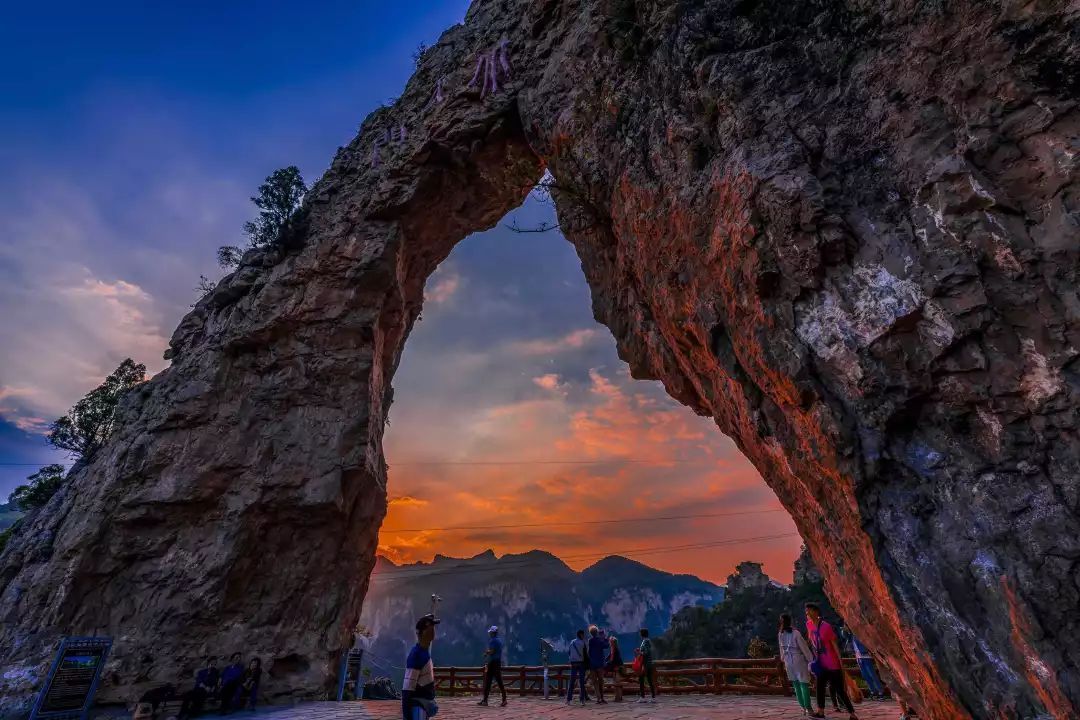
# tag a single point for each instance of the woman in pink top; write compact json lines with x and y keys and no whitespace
{"x":827,"y":652}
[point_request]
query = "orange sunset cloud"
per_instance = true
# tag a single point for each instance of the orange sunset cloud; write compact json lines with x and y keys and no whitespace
{"x":556,"y":469}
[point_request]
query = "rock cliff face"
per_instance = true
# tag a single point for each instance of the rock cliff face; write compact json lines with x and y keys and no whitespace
{"x":845,"y":229}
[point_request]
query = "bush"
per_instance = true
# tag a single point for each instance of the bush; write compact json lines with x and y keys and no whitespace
{"x":42,"y":486}
{"x":758,"y":649}
{"x":90,"y":423}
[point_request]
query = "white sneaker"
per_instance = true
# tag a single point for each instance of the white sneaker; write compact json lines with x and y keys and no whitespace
{"x":642,"y":700}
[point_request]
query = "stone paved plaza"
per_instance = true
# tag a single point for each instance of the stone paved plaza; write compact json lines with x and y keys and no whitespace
{"x":729,"y":707}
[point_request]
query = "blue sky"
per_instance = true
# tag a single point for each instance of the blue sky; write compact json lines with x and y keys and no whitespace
{"x":131,"y":137}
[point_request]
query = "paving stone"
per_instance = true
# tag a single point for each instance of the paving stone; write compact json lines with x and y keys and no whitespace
{"x":666,"y":708}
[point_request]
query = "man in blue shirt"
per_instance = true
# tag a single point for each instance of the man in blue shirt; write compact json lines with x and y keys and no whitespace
{"x":230,"y":682}
{"x":206,"y":684}
{"x":493,"y":671}
{"x":418,"y":689}
{"x":577,"y":666}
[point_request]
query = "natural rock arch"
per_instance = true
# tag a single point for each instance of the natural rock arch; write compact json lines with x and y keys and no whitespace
{"x":845,"y":230}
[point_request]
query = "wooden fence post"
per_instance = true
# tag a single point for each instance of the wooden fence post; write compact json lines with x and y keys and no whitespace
{"x":522,"y":687}
{"x":452,"y":689}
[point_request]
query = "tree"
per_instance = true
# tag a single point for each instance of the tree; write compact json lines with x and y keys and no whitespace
{"x":228,"y":256}
{"x":758,"y":649}
{"x":42,"y":486}
{"x":90,"y":423}
{"x":204,"y":288}
{"x":278,"y":200}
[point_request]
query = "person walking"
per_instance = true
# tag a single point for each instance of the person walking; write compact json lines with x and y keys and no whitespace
{"x":577,"y":666}
{"x":493,"y":672}
{"x":644,"y":651}
{"x":231,"y":678}
{"x":797,"y":658}
{"x":867,"y":669}
{"x":829,"y":671}
{"x":598,"y":647}
{"x":418,"y":688}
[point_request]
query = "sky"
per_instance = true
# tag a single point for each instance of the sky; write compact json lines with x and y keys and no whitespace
{"x":132,"y":135}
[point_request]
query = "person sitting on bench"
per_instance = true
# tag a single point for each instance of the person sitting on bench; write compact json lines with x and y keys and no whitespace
{"x":230,"y":682}
{"x":206,"y":684}
{"x":249,"y":684}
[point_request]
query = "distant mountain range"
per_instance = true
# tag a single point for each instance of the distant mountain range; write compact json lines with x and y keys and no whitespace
{"x":531,"y":596}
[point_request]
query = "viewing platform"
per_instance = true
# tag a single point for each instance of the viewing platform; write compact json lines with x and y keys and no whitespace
{"x":672,"y":707}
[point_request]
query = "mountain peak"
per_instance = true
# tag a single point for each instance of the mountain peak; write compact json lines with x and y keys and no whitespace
{"x":618,"y":563}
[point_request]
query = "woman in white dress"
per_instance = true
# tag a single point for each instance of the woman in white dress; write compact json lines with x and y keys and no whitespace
{"x":797,"y":657}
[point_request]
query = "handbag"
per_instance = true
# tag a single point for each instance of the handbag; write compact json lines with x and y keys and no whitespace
{"x":639,"y":664}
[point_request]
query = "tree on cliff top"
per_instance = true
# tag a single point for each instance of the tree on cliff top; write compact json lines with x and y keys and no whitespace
{"x":88,"y":425}
{"x":42,"y":486}
{"x":278,"y":200}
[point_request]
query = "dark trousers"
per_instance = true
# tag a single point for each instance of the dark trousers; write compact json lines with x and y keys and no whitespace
{"x":647,"y":674}
{"x":229,"y":692}
{"x":577,"y":673}
{"x":246,"y":696}
{"x":193,"y":703}
{"x":835,"y":680}
{"x":493,"y":674}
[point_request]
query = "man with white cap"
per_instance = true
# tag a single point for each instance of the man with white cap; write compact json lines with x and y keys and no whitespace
{"x":493,"y":672}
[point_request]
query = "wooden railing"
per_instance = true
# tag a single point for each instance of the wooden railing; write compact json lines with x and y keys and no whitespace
{"x":695,"y":676}
{"x":700,"y":675}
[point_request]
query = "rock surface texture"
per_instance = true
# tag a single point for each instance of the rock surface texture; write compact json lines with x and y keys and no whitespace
{"x":847,"y":230}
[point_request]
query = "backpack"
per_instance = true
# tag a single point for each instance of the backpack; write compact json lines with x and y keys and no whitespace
{"x":815,"y":665}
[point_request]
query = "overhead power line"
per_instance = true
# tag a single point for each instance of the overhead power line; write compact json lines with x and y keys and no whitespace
{"x":581,"y":522}
{"x":606,"y":461}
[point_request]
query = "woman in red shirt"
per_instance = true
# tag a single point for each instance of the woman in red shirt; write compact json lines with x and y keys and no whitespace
{"x":827,"y":653}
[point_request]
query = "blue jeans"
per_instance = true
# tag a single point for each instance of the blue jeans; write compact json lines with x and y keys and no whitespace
{"x":577,"y":673}
{"x":869,"y":674}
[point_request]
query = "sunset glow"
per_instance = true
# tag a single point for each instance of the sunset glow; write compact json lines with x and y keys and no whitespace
{"x":539,"y":429}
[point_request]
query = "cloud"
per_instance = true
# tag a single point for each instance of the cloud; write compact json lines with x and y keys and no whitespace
{"x":442,"y":286}
{"x":71,"y":330}
{"x":573,"y":340}
{"x":407,"y":501}
{"x":606,"y":449}
{"x":550,"y":382}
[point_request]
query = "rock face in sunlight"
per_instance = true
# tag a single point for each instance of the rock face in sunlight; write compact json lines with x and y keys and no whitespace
{"x":529,"y":596}
{"x":845,"y":230}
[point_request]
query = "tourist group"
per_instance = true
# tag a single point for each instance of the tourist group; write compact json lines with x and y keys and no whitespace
{"x":235,"y":687}
{"x":595,"y":654}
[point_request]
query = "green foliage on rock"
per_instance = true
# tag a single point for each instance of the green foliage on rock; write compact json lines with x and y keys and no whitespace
{"x":5,"y":535}
{"x":41,"y":487}
{"x":278,"y":201}
{"x":90,"y":423}
{"x":750,"y":611}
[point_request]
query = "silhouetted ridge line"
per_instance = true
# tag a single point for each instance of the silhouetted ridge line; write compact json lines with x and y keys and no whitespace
{"x":417,"y":572}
